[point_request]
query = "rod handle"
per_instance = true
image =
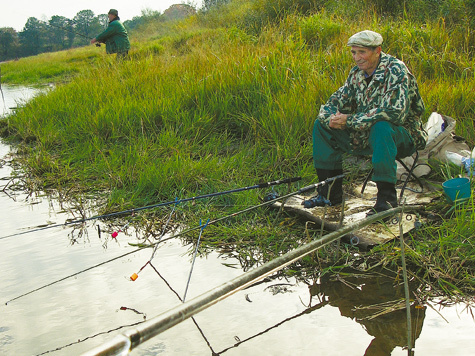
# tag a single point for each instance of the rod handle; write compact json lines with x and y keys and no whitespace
{"x":323,"y":182}
{"x":277,"y":182}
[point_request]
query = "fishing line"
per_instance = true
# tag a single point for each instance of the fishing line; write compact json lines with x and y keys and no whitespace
{"x":116,"y":233}
{"x":149,"y":262}
{"x":181,"y":300}
{"x":131,"y":325}
{"x":406,"y":284}
{"x":194,"y":258}
{"x":302,"y":190}
{"x":133,"y":278}
{"x":89,"y":337}
{"x":136,"y":275}
{"x":1,"y":91}
{"x":72,"y":275}
{"x":306,"y":311}
{"x":66,"y":29}
{"x":130,"y":211}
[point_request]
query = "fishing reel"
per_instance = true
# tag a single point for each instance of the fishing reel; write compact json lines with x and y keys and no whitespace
{"x":270,"y":196}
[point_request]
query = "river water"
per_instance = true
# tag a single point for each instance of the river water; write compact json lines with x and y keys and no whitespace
{"x":278,"y":317}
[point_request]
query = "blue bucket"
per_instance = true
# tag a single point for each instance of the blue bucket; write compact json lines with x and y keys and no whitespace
{"x":457,"y":189}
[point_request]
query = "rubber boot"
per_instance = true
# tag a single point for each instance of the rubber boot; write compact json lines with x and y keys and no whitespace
{"x":323,"y":198}
{"x":386,"y":198}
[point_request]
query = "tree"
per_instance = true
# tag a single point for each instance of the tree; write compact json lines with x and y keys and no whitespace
{"x":147,"y":15}
{"x":179,"y":11}
{"x":58,"y":32}
{"x":87,"y":25}
{"x":32,"y":37}
{"x":103,"y":20}
{"x":8,"y":43}
{"x":70,"y":34}
{"x":209,"y":4}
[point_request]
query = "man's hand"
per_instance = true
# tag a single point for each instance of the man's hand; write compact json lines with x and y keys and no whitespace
{"x":338,"y":121}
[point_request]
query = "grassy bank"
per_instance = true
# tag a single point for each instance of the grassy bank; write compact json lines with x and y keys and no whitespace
{"x":202,"y":107}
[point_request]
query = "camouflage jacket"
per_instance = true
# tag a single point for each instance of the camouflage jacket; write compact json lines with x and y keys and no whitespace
{"x":392,"y":95}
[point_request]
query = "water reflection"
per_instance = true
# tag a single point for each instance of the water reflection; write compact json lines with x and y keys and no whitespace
{"x":14,"y":96}
{"x":377,"y":304}
{"x":372,"y":301}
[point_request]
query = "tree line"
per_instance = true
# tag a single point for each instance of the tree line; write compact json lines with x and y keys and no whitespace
{"x":58,"y":33}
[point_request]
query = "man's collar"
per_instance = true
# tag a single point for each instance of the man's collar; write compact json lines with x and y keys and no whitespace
{"x":378,"y":73}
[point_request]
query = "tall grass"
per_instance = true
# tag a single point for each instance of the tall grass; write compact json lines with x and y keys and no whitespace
{"x":203,"y":106}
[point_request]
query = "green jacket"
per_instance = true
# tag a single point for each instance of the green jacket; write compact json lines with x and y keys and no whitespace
{"x":392,"y":95}
{"x":115,"y":37}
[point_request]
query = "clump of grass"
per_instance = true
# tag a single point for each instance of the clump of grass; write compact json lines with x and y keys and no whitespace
{"x":200,"y":109}
{"x":441,"y":254}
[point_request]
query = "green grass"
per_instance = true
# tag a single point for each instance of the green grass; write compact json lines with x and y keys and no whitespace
{"x":204,"y":106}
{"x":50,"y":67}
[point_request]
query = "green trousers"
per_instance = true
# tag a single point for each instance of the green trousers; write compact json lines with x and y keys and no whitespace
{"x":386,"y":143}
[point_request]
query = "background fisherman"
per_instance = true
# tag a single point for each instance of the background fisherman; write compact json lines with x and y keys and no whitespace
{"x":115,"y":36}
{"x":376,"y":112}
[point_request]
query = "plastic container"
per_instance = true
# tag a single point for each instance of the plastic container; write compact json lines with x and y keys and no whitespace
{"x":464,"y":160}
{"x":457,"y":189}
{"x":469,"y":165}
{"x":454,"y":157}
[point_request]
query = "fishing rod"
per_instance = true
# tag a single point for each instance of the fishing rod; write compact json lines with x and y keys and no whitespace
{"x":70,"y":31}
{"x":132,"y":338}
{"x":266,"y":203}
{"x":130,"y":211}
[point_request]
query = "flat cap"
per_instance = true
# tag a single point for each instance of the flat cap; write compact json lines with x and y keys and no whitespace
{"x":113,"y":12}
{"x":365,"y":38}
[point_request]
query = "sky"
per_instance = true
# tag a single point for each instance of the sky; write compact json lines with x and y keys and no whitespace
{"x":15,"y":13}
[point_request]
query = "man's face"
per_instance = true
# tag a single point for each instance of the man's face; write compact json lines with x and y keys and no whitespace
{"x":111,"y":17}
{"x":366,"y":58}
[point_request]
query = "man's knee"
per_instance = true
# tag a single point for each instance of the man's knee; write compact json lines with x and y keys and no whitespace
{"x":381,"y":128}
{"x":385,"y":135}
{"x":381,"y":134}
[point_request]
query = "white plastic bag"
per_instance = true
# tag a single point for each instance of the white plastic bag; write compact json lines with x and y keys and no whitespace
{"x":434,"y":127}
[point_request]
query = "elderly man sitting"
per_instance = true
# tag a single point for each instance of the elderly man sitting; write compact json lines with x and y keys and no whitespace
{"x":376,"y":112}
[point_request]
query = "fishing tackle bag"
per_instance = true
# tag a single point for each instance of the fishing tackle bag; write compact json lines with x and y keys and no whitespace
{"x":441,"y":139}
